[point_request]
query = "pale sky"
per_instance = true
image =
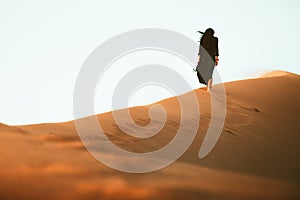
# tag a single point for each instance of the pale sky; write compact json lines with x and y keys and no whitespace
{"x":44,"y":43}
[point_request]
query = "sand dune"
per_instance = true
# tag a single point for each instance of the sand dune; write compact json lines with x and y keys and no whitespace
{"x":256,"y":157}
{"x":277,"y":73}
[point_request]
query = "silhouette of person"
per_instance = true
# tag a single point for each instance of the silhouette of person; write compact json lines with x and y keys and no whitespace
{"x":208,"y":57}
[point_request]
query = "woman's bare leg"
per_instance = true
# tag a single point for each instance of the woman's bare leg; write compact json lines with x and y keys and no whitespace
{"x":209,"y":85}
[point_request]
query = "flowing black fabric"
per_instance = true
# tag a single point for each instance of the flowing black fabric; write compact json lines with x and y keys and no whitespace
{"x":205,"y":69}
{"x":208,"y":49}
{"x":210,"y":45}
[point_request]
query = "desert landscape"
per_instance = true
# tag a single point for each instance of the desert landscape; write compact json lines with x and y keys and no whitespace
{"x":256,"y":157}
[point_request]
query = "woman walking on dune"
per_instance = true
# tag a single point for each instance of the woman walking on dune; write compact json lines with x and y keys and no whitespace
{"x":207,"y":57}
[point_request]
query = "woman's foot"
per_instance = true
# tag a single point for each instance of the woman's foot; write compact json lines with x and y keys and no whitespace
{"x":209,"y":89}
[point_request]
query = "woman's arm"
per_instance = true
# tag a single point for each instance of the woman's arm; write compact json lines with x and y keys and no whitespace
{"x":217,"y":52}
{"x":217,"y":47}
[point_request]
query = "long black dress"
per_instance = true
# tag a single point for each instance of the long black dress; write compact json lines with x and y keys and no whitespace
{"x":208,"y":49}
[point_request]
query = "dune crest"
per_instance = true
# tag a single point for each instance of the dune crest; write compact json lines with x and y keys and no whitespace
{"x":277,"y":73}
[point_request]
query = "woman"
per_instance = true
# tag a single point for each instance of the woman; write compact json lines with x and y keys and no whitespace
{"x":207,"y":57}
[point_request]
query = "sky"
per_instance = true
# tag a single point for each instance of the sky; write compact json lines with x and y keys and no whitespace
{"x":43,"y":45}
